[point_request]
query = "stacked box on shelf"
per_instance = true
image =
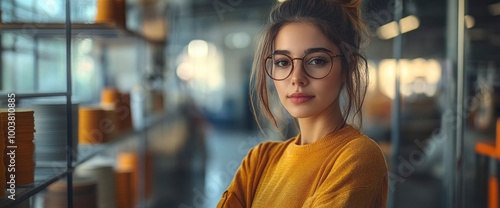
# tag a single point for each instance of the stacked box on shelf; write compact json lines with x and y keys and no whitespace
{"x":104,"y":176}
{"x":123,"y":179}
{"x":124,"y":112}
{"x":94,"y":127}
{"x":111,"y":11}
{"x":103,"y":123}
{"x":84,"y":193}
{"x":129,"y":161}
{"x":51,"y":131}
{"x":498,"y":131}
{"x":119,"y":103}
{"x":17,"y":130}
{"x":3,"y":179}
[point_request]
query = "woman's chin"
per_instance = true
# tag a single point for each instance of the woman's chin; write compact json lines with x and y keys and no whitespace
{"x":300,"y":114}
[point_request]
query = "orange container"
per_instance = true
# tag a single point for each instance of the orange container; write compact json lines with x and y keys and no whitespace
{"x":105,"y":11}
{"x":84,"y":194}
{"x":113,"y":100}
{"x":110,"y":125}
{"x":493,"y":192}
{"x":123,"y":188}
{"x":128,"y":161}
{"x":498,"y":132}
{"x":24,"y":163}
{"x":111,"y":11}
{"x":3,"y":180}
{"x":92,"y":126}
{"x":123,"y":113}
{"x":120,"y":15}
{"x":110,"y":97}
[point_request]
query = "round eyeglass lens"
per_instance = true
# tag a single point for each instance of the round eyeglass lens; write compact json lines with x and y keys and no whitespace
{"x":316,"y":65}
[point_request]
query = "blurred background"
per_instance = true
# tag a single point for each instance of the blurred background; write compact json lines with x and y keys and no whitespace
{"x":144,"y":103}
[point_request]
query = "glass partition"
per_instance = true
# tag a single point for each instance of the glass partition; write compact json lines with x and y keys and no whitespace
{"x":441,"y":59}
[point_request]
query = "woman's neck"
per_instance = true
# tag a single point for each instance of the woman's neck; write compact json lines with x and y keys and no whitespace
{"x":314,"y":128}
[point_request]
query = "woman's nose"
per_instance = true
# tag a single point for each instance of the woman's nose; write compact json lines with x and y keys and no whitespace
{"x":299,"y":76}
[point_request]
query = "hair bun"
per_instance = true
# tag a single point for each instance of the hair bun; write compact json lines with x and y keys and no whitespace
{"x":350,"y":4}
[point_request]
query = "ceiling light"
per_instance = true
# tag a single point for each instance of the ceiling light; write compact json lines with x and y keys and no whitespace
{"x":409,"y":23}
{"x":390,"y":30}
{"x":469,"y":21}
{"x":198,"y":48}
{"x":494,"y":9}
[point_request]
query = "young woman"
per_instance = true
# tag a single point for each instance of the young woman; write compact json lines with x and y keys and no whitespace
{"x":310,"y":53}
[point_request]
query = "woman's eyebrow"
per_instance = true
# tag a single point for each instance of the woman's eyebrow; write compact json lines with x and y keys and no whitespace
{"x":312,"y":50}
{"x":281,"y":52}
{"x":307,"y":51}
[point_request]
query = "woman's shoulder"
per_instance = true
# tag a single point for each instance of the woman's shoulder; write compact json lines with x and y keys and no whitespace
{"x":362,"y":149}
{"x":362,"y":143}
{"x":358,"y":142}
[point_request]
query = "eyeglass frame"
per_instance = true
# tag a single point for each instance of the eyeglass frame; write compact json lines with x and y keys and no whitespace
{"x":332,"y":56}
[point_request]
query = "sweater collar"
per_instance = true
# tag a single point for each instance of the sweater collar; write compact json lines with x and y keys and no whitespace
{"x":335,"y":138}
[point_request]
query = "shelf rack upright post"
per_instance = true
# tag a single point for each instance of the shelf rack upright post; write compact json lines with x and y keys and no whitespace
{"x":69,"y":137}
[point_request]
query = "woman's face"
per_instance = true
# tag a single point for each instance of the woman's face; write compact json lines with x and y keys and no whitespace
{"x":301,"y":95}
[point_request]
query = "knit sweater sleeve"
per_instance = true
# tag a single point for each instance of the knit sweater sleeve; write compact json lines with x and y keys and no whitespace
{"x":242,"y":189}
{"x":359,"y":178}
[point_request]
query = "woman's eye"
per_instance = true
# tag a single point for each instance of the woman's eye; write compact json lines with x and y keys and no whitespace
{"x":281,"y":63}
{"x":317,"y":61}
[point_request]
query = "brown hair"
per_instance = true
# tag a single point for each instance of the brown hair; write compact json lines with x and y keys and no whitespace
{"x":341,"y":22}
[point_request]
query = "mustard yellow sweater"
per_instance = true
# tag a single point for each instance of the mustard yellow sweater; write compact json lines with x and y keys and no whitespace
{"x":343,"y":169}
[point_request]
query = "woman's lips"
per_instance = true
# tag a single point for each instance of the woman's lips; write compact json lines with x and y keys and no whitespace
{"x":299,"y":98}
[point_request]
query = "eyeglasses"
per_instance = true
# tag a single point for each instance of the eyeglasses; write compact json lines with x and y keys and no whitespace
{"x":317,"y":65}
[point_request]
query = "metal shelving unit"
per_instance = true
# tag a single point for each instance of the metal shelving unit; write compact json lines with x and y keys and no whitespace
{"x":3,"y":95}
{"x":48,"y":173}
{"x":23,"y":193}
{"x":109,"y":30}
